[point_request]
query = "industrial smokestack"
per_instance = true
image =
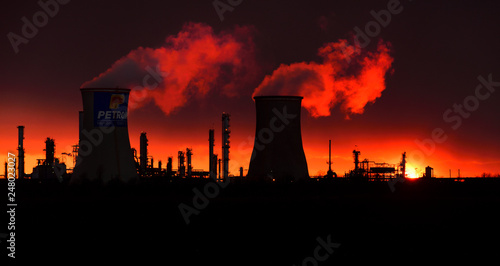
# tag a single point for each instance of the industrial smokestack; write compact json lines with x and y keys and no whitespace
{"x":169,"y":167}
{"x":104,"y":153}
{"x":20,"y":155}
{"x":330,"y":173}
{"x":211,"y":157}
{"x":220,"y":171}
{"x":49,"y":151}
{"x":278,"y":153}
{"x":225,"y":145}
{"x":214,"y":167}
{"x":181,"y":169}
{"x":189,"y":153}
{"x":143,"y":157}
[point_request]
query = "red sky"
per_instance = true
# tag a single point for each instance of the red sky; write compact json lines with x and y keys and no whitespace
{"x":436,"y":64}
{"x":166,"y":136}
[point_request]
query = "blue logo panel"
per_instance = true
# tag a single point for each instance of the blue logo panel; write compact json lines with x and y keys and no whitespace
{"x":110,"y":109}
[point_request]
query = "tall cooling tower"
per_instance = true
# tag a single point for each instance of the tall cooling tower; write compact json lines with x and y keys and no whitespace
{"x":278,"y":153}
{"x":104,"y":153}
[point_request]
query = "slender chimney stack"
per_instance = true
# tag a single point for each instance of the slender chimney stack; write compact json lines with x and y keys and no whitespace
{"x":169,"y":167}
{"x":211,"y":157}
{"x":225,"y":146}
{"x":143,"y":157}
{"x":214,"y":167}
{"x":189,"y":153}
{"x":20,"y":156}
{"x":220,"y":171}
{"x":278,"y":153}
{"x":403,"y":164}
{"x":330,"y":173}
{"x":49,"y":151}
{"x":181,"y":169}
{"x":104,"y":152}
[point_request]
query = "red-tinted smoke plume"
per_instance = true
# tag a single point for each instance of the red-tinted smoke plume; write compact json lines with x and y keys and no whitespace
{"x":189,"y":65}
{"x":335,"y":80}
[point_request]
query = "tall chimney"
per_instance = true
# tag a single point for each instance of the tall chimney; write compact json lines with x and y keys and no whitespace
{"x":403,"y":165}
{"x":49,"y":151}
{"x":214,"y":167}
{"x":330,"y":173}
{"x":189,"y":153}
{"x":220,"y":171}
{"x":20,"y":155}
{"x":278,"y":153}
{"x":169,"y":167}
{"x":225,"y":146}
{"x":143,"y":157}
{"x":181,"y":169}
{"x":211,"y":157}
{"x":104,"y":152}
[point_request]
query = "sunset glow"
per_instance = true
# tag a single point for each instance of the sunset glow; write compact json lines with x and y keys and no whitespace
{"x":238,"y":132}
{"x":377,"y":99}
{"x":411,"y":172}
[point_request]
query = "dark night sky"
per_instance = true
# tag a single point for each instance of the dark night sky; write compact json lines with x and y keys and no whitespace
{"x":439,"y":50}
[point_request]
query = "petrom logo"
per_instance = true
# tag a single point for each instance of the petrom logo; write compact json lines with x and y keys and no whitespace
{"x":110,"y":109}
{"x":116,"y":100}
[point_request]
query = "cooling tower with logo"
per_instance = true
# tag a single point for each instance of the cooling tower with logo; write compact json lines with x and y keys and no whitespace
{"x":104,"y":153}
{"x":278,"y":154}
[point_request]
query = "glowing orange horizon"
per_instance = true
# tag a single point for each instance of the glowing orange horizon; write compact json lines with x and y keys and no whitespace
{"x":198,"y":61}
{"x":316,"y":151}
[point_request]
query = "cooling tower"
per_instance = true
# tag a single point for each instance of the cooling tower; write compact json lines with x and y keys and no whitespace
{"x":104,"y":153}
{"x":278,"y":153}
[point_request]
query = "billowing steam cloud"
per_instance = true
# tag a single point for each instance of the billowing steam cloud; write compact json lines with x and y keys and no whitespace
{"x":197,"y":61}
{"x":334,"y":81}
{"x":190,"y":64}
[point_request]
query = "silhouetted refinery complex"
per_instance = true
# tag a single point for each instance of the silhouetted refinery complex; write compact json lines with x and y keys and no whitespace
{"x":119,"y":203}
{"x":104,"y":153}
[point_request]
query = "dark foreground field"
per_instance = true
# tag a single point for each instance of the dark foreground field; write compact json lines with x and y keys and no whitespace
{"x":250,"y":224}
